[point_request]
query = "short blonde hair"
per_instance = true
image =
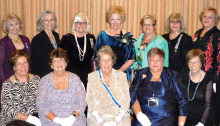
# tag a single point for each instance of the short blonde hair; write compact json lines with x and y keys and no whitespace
{"x":175,"y":16}
{"x":210,"y":9}
{"x":106,"y":50}
{"x":78,"y":17}
{"x":115,"y":10}
{"x":40,"y":27}
{"x":10,"y":16}
{"x":148,"y":16}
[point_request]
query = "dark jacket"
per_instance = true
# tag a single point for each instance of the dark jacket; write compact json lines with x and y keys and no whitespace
{"x":41,"y":46}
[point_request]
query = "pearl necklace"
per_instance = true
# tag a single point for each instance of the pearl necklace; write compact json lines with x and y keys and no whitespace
{"x":190,"y":99}
{"x":81,"y":53}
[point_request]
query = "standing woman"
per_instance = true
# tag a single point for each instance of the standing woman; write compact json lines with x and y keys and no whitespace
{"x":149,"y":39}
{"x":179,"y":42}
{"x":208,"y":40}
{"x":11,"y":25}
{"x":123,"y":48}
{"x":43,"y":43}
{"x":79,"y":46}
{"x":198,"y":84}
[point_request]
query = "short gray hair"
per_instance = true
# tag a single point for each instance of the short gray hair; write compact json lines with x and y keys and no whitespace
{"x":78,"y":17}
{"x":40,"y":27}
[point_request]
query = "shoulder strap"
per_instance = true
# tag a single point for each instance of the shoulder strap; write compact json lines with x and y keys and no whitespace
{"x":178,"y":42}
{"x":109,"y":92}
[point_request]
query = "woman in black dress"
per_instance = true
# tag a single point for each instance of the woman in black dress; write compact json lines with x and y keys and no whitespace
{"x":208,"y":40}
{"x":179,"y":42}
{"x":198,"y":84}
{"x":79,"y":46}
{"x":43,"y":43}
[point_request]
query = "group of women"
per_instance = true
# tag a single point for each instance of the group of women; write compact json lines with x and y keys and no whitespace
{"x":51,"y":81}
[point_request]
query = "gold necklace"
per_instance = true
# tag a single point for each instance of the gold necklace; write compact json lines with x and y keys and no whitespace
{"x":15,"y":40}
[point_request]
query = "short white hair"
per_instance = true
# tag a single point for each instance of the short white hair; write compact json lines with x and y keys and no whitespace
{"x":78,"y":17}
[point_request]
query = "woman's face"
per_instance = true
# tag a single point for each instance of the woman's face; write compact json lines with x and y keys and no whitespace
{"x":175,"y":25}
{"x":48,"y":22}
{"x":58,"y":64}
{"x":115,"y":21}
{"x":148,"y":26}
{"x":81,"y":25}
{"x":208,"y":19}
{"x":13,"y":26}
{"x":106,"y":63}
{"x":156,"y":63}
{"x":21,"y":66}
{"x":195,"y":64}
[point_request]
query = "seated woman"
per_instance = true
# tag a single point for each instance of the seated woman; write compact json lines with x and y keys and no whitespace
{"x":198,"y":84}
{"x":107,"y":93}
{"x":61,"y":94}
{"x":18,"y":98}
{"x":156,"y":95}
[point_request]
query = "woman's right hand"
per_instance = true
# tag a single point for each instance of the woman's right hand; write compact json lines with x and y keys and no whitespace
{"x":143,"y":119}
{"x":33,"y":120}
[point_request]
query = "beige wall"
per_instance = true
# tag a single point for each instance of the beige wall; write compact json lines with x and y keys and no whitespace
{"x":29,"y":11}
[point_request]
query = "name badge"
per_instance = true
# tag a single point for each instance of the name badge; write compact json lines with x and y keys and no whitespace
{"x":153,"y":101}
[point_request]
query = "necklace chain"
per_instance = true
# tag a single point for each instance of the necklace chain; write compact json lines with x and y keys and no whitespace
{"x":190,"y":99}
{"x":81,"y":52}
{"x":28,"y":78}
{"x":15,"y":40}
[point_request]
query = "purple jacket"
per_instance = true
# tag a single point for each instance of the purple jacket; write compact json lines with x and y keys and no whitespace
{"x":6,"y":48}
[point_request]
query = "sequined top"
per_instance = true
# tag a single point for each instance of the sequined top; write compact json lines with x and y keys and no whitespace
{"x":61,"y":102}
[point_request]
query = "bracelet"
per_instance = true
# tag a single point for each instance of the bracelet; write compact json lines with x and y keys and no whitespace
{"x":181,"y":123}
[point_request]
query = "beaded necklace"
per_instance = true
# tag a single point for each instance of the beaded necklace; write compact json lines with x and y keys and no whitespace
{"x":190,"y":99}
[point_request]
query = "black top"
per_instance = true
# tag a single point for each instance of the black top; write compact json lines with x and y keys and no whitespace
{"x":199,"y":109}
{"x":177,"y":58}
{"x":75,"y":65}
{"x":41,"y":46}
{"x":210,"y":45}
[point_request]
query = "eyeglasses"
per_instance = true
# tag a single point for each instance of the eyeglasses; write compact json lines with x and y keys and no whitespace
{"x":58,"y":61}
{"x":49,"y":20}
{"x":148,"y":25}
{"x":175,"y":21}
{"x":81,"y":23}
{"x":21,"y":64}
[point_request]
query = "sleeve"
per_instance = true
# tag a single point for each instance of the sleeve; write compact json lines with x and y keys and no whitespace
{"x":7,"y":102}
{"x":82,"y":96}
{"x":35,"y":56}
{"x":90,"y":95}
{"x":181,"y":95}
{"x":187,"y":45}
{"x":98,"y":44}
{"x":208,"y":97}
{"x":162,"y":44}
{"x":41,"y":97}
{"x":2,"y":60}
{"x":64,"y":42}
{"x":126,"y":100}
{"x":134,"y":86}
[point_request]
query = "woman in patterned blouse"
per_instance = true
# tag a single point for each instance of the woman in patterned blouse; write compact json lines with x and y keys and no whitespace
{"x":18,"y":97}
{"x":61,"y":95}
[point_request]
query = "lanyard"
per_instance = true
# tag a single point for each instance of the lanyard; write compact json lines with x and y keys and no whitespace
{"x":109,"y":92}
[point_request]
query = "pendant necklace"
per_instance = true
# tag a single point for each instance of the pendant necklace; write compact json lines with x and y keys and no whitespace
{"x":81,"y":52}
{"x":190,"y":99}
